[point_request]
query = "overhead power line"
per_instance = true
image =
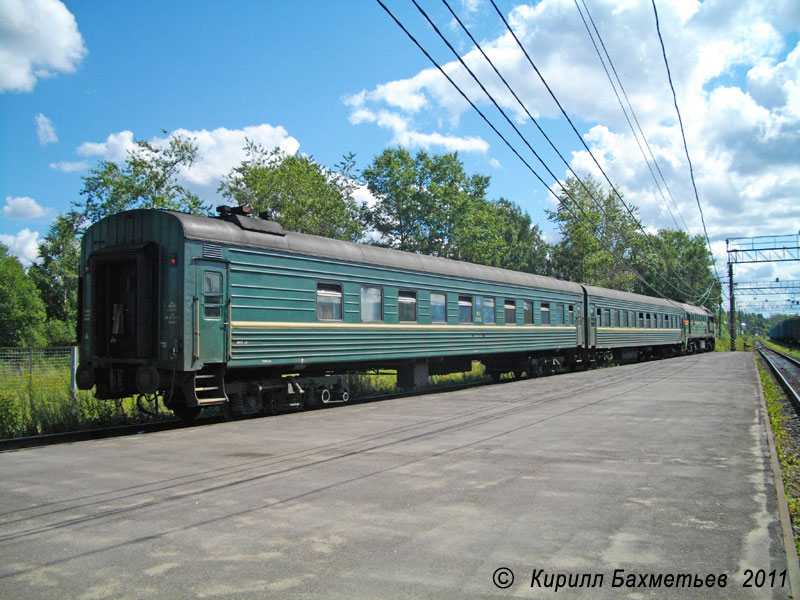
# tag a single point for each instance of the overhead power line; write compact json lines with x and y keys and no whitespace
{"x":633,"y":114}
{"x":598,"y":234}
{"x":597,"y":203}
{"x":572,"y":125}
{"x":508,"y":144}
{"x":683,"y":136}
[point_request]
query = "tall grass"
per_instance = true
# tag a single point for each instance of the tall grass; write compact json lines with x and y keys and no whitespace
{"x":24,"y":413}
{"x":29,"y":407}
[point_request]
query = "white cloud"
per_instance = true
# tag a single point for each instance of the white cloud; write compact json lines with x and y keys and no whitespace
{"x":24,"y":245}
{"x":45,"y":130}
{"x":70,"y":167}
{"x":361,"y":194}
{"x":114,"y":149}
{"x":22,"y":208}
{"x":221,"y":149}
{"x":218,"y":150}
{"x":38,"y":38}
{"x":405,"y":135}
{"x":736,"y":71}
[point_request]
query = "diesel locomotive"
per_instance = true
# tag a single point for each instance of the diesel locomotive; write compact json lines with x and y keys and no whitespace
{"x":233,"y":311}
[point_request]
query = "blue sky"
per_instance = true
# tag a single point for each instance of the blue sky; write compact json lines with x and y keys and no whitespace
{"x":78,"y":83}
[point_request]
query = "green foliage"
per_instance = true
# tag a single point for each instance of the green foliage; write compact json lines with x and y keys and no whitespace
{"x":147,"y":179}
{"x":11,"y":415}
{"x":60,"y":333}
{"x":56,"y":277}
{"x":597,"y":236}
{"x":524,"y":248}
{"x":602,"y":244}
{"x":429,"y":204}
{"x":296,"y":192}
{"x":38,"y":412}
{"x":22,"y":311}
{"x":680,"y":267}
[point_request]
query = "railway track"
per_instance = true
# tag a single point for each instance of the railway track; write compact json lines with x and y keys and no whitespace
{"x":786,"y":370}
{"x":142,"y":428}
{"x":101,"y":433}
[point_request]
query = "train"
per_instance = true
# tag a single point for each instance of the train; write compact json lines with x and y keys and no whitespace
{"x":787,"y":331}
{"x":233,"y":311}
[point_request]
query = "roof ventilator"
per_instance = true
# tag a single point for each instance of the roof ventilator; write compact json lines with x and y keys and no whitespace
{"x":242,"y":216}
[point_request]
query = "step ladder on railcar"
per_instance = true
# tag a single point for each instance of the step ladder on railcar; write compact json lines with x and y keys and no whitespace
{"x":209,"y":385}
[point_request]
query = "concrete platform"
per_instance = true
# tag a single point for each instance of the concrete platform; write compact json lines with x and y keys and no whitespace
{"x":660,"y":468}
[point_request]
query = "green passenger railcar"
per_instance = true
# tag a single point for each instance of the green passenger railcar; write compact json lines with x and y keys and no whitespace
{"x":234,"y":311}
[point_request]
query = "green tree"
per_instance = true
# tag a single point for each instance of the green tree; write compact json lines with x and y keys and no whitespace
{"x":399,"y":214}
{"x":147,"y":179}
{"x":524,"y":248}
{"x":297,"y":192}
{"x":598,"y":236}
{"x":22,"y":312}
{"x":680,"y":267}
{"x":429,"y":204}
{"x":56,"y":277}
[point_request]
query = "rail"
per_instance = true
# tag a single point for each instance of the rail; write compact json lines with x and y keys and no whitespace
{"x":780,"y":374}
{"x":142,"y":428}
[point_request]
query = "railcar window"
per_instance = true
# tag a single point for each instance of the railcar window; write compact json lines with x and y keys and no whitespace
{"x":606,"y":317}
{"x":407,"y":306}
{"x":212,"y":295}
{"x":631,"y":319}
{"x":527,"y":312}
{"x":465,"y":309}
{"x":438,"y":308}
{"x":371,"y":304}
{"x":487,"y":310}
{"x":545,"y":320}
{"x":614,"y":315}
{"x":641,"y":320}
{"x":571,"y":315}
{"x":559,"y":318}
{"x":329,"y":302}
{"x":510,"y":310}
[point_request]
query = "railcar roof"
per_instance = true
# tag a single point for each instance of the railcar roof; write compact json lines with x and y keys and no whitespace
{"x":630,"y":297}
{"x":697,"y":310}
{"x":219,"y":231}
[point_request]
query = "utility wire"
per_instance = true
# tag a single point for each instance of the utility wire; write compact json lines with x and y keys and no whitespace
{"x":566,"y":116}
{"x":682,"y":292}
{"x":633,"y":114}
{"x":564,"y":113}
{"x":514,"y":150}
{"x":683,"y":135}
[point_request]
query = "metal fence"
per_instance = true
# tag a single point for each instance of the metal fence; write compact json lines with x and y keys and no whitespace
{"x":38,"y":369}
